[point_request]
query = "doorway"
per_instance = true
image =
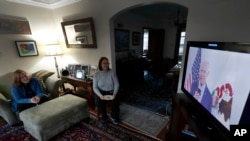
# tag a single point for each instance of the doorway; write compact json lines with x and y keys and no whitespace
{"x":162,"y":26}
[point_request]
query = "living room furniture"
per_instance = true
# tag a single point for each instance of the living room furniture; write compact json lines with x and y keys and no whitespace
{"x":188,"y":123}
{"x":46,"y":120}
{"x":50,"y":85}
{"x":82,"y":83}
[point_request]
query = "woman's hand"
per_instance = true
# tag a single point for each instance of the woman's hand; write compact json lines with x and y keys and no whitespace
{"x":113,"y":97}
{"x":101,"y":96}
{"x":35,"y":99}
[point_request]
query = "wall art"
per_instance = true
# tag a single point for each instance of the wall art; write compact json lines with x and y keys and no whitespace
{"x":26,"y":48}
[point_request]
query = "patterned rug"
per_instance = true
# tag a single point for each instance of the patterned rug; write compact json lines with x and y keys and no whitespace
{"x":146,"y":121}
{"x":83,"y":131}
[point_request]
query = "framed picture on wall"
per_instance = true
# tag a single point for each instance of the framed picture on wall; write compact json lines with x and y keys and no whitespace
{"x":136,"y":38}
{"x":121,"y":39}
{"x":26,"y":48}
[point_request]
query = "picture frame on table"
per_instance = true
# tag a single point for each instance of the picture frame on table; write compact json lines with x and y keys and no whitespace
{"x":86,"y":68}
{"x":26,"y":48}
{"x":136,"y":38}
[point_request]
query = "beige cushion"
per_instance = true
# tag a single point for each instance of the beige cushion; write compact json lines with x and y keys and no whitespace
{"x":5,"y":111}
{"x":42,"y":75}
{"x":3,"y":98}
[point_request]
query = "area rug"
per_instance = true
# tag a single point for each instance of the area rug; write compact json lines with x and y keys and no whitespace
{"x":146,"y":121}
{"x":92,"y":130}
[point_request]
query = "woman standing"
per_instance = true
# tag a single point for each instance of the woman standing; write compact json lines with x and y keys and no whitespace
{"x":105,"y":82}
{"x":26,"y":92}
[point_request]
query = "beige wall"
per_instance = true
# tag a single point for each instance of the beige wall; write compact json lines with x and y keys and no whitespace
{"x":216,"y":20}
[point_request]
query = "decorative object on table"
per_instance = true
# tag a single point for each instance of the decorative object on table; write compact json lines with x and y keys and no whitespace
{"x":78,"y":70}
{"x":26,"y":48}
{"x":121,"y":39}
{"x":86,"y":69}
{"x":14,"y":25}
{"x":79,"y":33}
{"x":54,"y":50}
{"x":80,"y":74}
{"x":71,"y":69}
{"x":65,"y":72}
{"x":136,"y":38}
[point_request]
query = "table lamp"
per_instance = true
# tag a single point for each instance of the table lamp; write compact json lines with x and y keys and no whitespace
{"x":54,"y":50}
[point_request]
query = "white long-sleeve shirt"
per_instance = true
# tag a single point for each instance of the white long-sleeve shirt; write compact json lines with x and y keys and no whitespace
{"x":105,"y":80}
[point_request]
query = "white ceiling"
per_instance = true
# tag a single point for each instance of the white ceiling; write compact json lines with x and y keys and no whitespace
{"x":51,"y":4}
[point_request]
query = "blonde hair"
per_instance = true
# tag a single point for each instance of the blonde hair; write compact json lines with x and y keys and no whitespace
{"x":17,"y":77}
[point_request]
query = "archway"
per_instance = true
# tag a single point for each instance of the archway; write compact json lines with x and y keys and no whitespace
{"x":170,"y":17}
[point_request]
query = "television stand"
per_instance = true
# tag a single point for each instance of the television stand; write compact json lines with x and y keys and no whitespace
{"x":188,"y":124}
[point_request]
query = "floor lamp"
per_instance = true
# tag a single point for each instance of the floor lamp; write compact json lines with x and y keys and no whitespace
{"x":54,"y":50}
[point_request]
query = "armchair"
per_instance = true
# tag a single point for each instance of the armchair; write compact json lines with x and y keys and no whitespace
{"x":51,"y":86}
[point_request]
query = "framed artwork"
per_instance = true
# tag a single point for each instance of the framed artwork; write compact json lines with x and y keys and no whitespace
{"x":82,"y":39}
{"x":136,"y":38}
{"x":121,"y":39}
{"x":8,"y":25}
{"x":26,"y":48}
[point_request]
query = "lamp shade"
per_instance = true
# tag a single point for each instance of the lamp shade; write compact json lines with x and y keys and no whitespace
{"x":53,"y":50}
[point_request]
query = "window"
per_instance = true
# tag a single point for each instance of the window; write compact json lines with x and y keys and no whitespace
{"x":182,"y":40}
{"x":145,"y":41}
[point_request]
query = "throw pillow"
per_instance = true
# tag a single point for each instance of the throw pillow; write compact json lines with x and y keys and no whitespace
{"x":42,"y":75}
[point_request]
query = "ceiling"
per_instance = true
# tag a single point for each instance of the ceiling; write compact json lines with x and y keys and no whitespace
{"x":50,"y":4}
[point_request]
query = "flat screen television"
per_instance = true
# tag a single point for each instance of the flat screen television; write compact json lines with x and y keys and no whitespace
{"x":216,"y":80}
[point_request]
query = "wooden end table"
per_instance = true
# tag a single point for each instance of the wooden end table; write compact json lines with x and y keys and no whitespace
{"x":82,"y":83}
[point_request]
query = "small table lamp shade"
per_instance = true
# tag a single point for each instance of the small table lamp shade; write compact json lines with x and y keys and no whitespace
{"x":53,"y":50}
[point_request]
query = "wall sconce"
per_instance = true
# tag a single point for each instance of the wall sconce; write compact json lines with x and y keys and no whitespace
{"x":54,"y":50}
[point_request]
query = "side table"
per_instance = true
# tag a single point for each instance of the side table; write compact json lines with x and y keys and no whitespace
{"x":88,"y":85}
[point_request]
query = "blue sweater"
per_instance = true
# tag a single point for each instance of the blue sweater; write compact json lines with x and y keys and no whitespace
{"x":19,"y":95}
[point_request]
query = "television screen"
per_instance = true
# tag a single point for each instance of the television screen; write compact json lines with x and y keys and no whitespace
{"x":216,"y":78}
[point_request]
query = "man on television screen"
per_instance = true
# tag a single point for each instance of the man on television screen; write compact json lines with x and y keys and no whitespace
{"x":199,"y":88}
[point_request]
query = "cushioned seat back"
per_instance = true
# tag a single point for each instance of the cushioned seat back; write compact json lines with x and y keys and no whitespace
{"x":52,"y":86}
{"x":5,"y":84}
{"x":42,"y":75}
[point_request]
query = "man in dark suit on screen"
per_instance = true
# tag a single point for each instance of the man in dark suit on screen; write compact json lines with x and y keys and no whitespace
{"x":199,"y":88}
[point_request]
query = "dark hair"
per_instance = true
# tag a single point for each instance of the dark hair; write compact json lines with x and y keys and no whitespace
{"x":100,"y":62}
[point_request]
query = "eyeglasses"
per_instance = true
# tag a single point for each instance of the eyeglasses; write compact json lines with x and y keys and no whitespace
{"x":105,"y":63}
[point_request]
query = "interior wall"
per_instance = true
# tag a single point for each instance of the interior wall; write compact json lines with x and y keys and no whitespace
{"x":207,"y":20}
{"x":42,"y":28}
{"x":135,"y":23}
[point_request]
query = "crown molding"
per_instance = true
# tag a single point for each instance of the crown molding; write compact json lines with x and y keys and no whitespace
{"x":46,"y":4}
